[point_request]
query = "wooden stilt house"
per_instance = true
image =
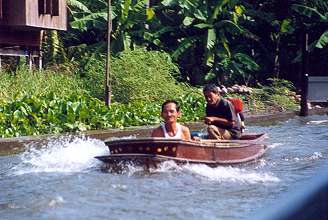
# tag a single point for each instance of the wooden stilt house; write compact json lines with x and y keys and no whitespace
{"x":22,"y":23}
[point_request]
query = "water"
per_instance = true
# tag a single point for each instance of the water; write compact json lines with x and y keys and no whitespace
{"x":63,"y":181}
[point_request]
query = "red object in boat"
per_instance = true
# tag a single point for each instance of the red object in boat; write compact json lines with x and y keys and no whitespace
{"x":151,"y":151}
{"x":237,"y":103}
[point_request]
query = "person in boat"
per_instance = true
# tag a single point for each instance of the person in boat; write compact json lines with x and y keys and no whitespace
{"x":171,"y":128}
{"x":221,"y":117}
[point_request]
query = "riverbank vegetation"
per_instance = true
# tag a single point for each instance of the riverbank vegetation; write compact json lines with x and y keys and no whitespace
{"x":58,"y":99}
{"x":167,"y":50}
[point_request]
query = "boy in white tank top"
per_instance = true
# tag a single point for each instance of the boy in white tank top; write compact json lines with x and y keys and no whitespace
{"x":170,"y":128}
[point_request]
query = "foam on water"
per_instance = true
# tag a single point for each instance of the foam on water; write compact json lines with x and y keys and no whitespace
{"x":274,"y":145}
{"x":220,"y":173}
{"x":314,"y":156}
{"x":231,"y":174}
{"x":317,"y":122}
{"x":57,"y":201}
{"x":61,"y":155}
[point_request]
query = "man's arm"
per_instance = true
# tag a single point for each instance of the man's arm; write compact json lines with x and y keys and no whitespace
{"x":218,"y":121}
{"x":157,"y":132}
{"x":186,"y":133}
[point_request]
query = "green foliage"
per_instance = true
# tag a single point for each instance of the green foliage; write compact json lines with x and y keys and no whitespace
{"x":198,"y":35}
{"x":192,"y":107}
{"x":52,"y":107}
{"x":225,"y":41}
{"x":32,"y":115}
{"x":142,"y":75}
{"x":312,"y":14}
{"x":136,"y":76}
{"x":60,"y":82}
{"x":273,"y":97}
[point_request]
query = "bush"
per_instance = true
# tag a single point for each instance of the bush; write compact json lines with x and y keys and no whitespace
{"x":38,"y":83}
{"x":137,"y":75}
{"x":273,"y":97}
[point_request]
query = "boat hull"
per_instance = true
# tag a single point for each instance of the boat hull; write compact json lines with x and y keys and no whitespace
{"x":151,"y":151}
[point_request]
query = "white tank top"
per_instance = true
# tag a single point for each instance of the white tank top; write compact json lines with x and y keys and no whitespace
{"x":178,"y":135}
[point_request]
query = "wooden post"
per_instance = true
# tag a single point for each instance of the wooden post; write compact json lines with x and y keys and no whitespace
{"x":1,"y":13}
{"x":304,"y":77}
{"x":0,"y":64}
{"x":40,"y":61}
{"x":30,"y":61}
{"x":108,"y":90}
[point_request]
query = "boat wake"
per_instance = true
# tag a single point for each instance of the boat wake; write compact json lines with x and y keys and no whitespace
{"x":70,"y":155}
{"x":61,"y":155}
{"x":218,"y":174}
{"x":314,"y":156}
{"x":319,"y":122}
{"x":231,"y":174}
{"x":274,"y":145}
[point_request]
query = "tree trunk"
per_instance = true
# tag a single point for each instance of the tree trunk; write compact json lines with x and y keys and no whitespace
{"x":108,"y":89}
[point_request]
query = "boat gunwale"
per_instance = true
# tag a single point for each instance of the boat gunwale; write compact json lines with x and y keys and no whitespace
{"x":222,"y":144}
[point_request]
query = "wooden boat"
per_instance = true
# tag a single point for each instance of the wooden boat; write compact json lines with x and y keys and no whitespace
{"x":151,"y":151}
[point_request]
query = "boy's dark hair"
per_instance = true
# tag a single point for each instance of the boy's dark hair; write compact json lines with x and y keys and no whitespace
{"x":177,"y":106}
{"x":211,"y":88}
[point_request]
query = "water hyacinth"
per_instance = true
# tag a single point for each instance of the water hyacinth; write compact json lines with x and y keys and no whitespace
{"x":49,"y":114}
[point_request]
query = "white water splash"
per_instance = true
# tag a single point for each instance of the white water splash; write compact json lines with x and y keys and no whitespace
{"x":317,"y":122}
{"x":61,"y":155}
{"x":274,"y":145}
{"x":231,"y":174}
{"x":220,"y":173}
{"x":168,"y":166}
{"x":57,"y":201}
{"x":314,"y":156}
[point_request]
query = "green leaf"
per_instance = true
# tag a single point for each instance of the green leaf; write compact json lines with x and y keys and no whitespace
{"x":77,"y":4}
{"x":211,"y":38}
{"x":323,"y":40}
{"x":150,"y":13}
{"x":247,"y":61}
{"x":286,"y":26}
{"x":125,"y":10}
{"x":183,"y":46}
{"x":188,"y":21}
{"x":201,"y":15}
{"x":239,"y":10}
{"x":309,"y":12}
{"x":203,"y":26}
{"x":168,"y":2}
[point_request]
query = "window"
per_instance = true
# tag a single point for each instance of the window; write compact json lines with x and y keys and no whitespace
{"x":50,"y":7}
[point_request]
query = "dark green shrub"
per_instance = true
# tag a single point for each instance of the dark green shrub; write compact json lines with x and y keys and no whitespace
{"x":137,"y":75}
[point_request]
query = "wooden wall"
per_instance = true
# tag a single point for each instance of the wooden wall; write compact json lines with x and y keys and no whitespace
{"x":52,"y":19}
{"x":34,"y":14}
{"x":13,"y":12}
{"x":20,"y":38}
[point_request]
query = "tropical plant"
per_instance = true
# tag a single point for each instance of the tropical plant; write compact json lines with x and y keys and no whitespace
{"x":128,"y":19}
{"x":198,"y":35}
{"x":314,"y":15}
{"x":137,"y":75}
